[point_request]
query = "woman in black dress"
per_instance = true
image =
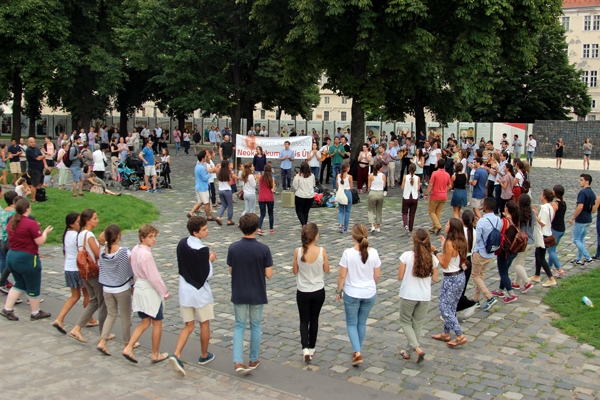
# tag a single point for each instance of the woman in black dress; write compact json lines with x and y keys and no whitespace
{"x":560,"y":145}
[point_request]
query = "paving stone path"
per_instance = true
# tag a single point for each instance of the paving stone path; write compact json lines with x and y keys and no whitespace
{"x":512,"y":351}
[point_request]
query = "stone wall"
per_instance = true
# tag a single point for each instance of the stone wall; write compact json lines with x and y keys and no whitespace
{"x":573,"y":134}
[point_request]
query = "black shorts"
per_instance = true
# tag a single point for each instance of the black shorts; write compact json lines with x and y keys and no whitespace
{"x":37,"y":176}
{"x":50,"y":163}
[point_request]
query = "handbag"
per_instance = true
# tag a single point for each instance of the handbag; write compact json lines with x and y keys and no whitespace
{"x":549,"y":241}
{"x":97,"y":190}
{"x":85,"y":264}
{"x":340,"y":196}
{"x":240,"y":194}
{"x":538,"y":238}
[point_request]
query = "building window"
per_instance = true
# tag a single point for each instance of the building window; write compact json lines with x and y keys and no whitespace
{"x":593,"y":103}
{"x":587,"y":23}
{"x":591,"y":117}
{"x":566,"y":23}
{"x":262,"y":114}
{"x":594,"y":53}
{"x":326,"y":100}
{"x":586,"y":51}
{"x":344,"y":100}
{"x":596,"y":25}
{"x":343,"y":115}
{"x":325,"y":115}
{"x":593,"y":78}
{"x":585,"y":75}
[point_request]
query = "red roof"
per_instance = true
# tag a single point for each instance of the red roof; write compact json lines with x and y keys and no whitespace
{"x":580,"y":3}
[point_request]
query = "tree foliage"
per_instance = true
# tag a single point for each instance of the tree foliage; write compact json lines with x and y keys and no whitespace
{"x":550,"y":90}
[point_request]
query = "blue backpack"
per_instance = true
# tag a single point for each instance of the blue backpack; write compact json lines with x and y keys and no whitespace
{"x":494,"y":239}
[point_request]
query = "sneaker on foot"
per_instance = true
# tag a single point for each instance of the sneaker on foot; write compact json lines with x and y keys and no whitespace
{"x":515,"y":286}
{"x":205,"y":360}
{"x":356,"y":359}
{"x":498,"y":293}
{"x":372,"y":229}
{"x":574,"y":261}
{"x":588,"y":260}
{"x":407,"y":230}
{"x":377,"y":230}
{"x":4,"y":289}
{"x":470,"y":311}
{"x":241,"y":369}
{"x":526,"y":287}
{"x":311,"y":352}
{"x":549,"y":282}
{"x":508,"y":299}
{"x":490,"y":303}
{"x":176,"y":365}
{"x":306,"y":355}
{"x":9,"y":315}
{"x":253,"y":364}
{"x":580,"y":262}
{"x":535,"y":279}
{"x":40,"y":315}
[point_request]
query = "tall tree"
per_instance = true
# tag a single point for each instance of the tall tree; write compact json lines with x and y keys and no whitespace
{"x":550,"y":90}
{"x":34,"y":45}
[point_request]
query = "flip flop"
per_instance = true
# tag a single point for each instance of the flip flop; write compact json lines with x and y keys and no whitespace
{"x":91,"y":325}
{"x":130,"y":357}
{"x":136,"y":345}
{"x":405,"y":354}
{"x":59,"y":328}
{"x":441,"y":337}
{"x":111,"y":336}
{"x":103,"y":350}
{"x":420,"y":357}
{"x":457,"y":342}
{"x":162,"y":357}
{"x":79,"y":338}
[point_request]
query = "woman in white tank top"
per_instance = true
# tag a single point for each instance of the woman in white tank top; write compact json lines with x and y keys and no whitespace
{"x":376,"y":185}
{"x":310,"y":264}
{"x":410,"y":198}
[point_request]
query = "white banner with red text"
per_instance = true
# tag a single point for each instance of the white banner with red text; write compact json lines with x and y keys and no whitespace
{"x":245,"y":146}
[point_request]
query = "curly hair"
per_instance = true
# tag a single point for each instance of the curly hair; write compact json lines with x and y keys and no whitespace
{"x":423,"y":264}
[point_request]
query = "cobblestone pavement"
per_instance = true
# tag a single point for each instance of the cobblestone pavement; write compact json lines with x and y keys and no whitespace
{"x":512,"y":351}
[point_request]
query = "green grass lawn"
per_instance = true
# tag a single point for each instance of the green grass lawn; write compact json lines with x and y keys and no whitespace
{"x":577,"y":319}
{"x":128,"y":212}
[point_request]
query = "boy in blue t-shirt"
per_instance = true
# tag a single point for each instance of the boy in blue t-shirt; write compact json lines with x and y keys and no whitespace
{"x":582,"y":218}
{"x":250,"y":262}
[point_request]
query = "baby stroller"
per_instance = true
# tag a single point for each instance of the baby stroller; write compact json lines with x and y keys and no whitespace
{"x":161,"y":182}
{"x":131,"y":172}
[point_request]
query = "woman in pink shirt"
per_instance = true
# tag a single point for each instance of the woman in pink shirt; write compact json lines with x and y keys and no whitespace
{"x":150,"y":290}
{"x":177,"y":140}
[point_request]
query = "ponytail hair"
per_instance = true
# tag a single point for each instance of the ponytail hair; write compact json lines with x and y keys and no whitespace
{"x":308,"y":235}
{"x":111,"y":234}
{"x":360,"y":233}
{"x":21,"y":208}
{"x":345,"y":169}
{"x":412,"y":168}
{"x":70,"y":219}
{"x":423,"y":264}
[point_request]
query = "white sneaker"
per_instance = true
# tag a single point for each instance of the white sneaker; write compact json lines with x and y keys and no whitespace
{"x":311,"y":352}
{"x":385,"y":192}
{"x":372,"y":229}
{"x":469,"y":311}
{"x":377,"y":230}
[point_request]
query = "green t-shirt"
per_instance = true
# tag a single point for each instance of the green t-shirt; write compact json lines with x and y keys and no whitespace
{"x":337,"y":158}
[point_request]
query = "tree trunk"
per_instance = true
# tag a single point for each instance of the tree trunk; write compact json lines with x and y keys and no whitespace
{"x":16,"y":108}
{"x":32,"y":122}
{"x":123,"y":120}
{"x":358,"y":128}
{"x":420,"y":125}
{"x":181,"y":123}
{"x":278,"y":114}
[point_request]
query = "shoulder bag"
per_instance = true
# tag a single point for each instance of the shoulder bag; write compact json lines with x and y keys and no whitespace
{"x":85,"y":264}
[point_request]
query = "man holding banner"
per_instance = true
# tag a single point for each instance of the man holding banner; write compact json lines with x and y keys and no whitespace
{"x":286,"y":156}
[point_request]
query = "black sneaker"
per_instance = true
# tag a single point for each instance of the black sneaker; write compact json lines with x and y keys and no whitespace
{"x":40,"y":315}
{"x":580,"y":262}
{"x":587,"y":261}
{"x":574,"y":262}
{"x":9,"y":315}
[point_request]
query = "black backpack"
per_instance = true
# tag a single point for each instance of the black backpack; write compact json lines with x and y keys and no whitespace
{"x":494,"y":239}
{"x":67,"y":157}
{"x":526,"y":185}
{"x":355,"y":198}
{"x":40,"y":195}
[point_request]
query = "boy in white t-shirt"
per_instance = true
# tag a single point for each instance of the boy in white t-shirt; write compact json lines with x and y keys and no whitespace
{"x":195,"y":297}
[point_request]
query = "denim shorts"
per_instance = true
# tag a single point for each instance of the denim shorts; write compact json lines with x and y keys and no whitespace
{"x":459,"y":198}
{"x":77,"y":175}
{"x":159,"y":315}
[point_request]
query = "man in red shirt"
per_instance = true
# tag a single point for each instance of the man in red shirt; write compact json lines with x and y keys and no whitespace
{"x":439,"y":184}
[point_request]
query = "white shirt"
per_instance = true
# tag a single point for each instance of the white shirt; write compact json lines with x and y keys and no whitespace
{"x":314,"y":161}
{"x":531,"y":145}
{"x":413,"y":288}
{"x":213,"y":176}
{"x":304,"y":186}
{"x":378,"y":182}
{"x":264,"y":133}
{"x":224,"y":186}
{"x":145,"y":133}
{"x":85,"y":234}
{"x":546,"y":215}
{"x":434,"y":156}
{"x":99,"y":158}
{"x":250,"y":186}
{"x":251,"y":132}
{"x":70,"y":244}
{"x":346,"y":184}
{"x":411,"y":189}
{"x":310,"y":277}
{"x":189,"y":296}
{"x":454,"y":264}
{"x":360,"y":283}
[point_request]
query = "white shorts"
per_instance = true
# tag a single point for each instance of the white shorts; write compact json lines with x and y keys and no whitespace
{"x":150,"y":170}
{"x":201,"y":314}
{"x":15,"y":167}
{"x":202,"y":197}
{"x":476,"y":203}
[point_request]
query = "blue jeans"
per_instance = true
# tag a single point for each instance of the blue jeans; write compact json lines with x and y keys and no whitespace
{"x":226,"y":204}
{"x":503,"y":265}
{"x":315,"y":172}
{"x":579,"y":232}
{"x":286,"y":178}
{"x":552,"y":257}
{"x":530,"y":157}
{"x":241,"y":312}
{"x":357,"y":312}
{"x":177,"y":146}
{"x":344,"y":211}
{"x":337,"y":169}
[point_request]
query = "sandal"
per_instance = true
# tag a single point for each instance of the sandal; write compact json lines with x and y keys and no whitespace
{"x":78,"y":337}
{"x":405,"y":354}
{"x":457,"y":341}
{"x":130,"y":357}
{"x":420,"y":356}
{"x":219,"y":221}
{"x":162,"y":357}
{"x":103,"y":350}
{"x":442,"y":337}
{"x":91,"y":324}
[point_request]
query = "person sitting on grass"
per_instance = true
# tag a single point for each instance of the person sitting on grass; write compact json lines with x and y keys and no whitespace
{"x":48,"y":180}
{"x":195,"y":297}
{"x":90,"y":180}
{"x":148,"y":296}
{"x":22,"y":188}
